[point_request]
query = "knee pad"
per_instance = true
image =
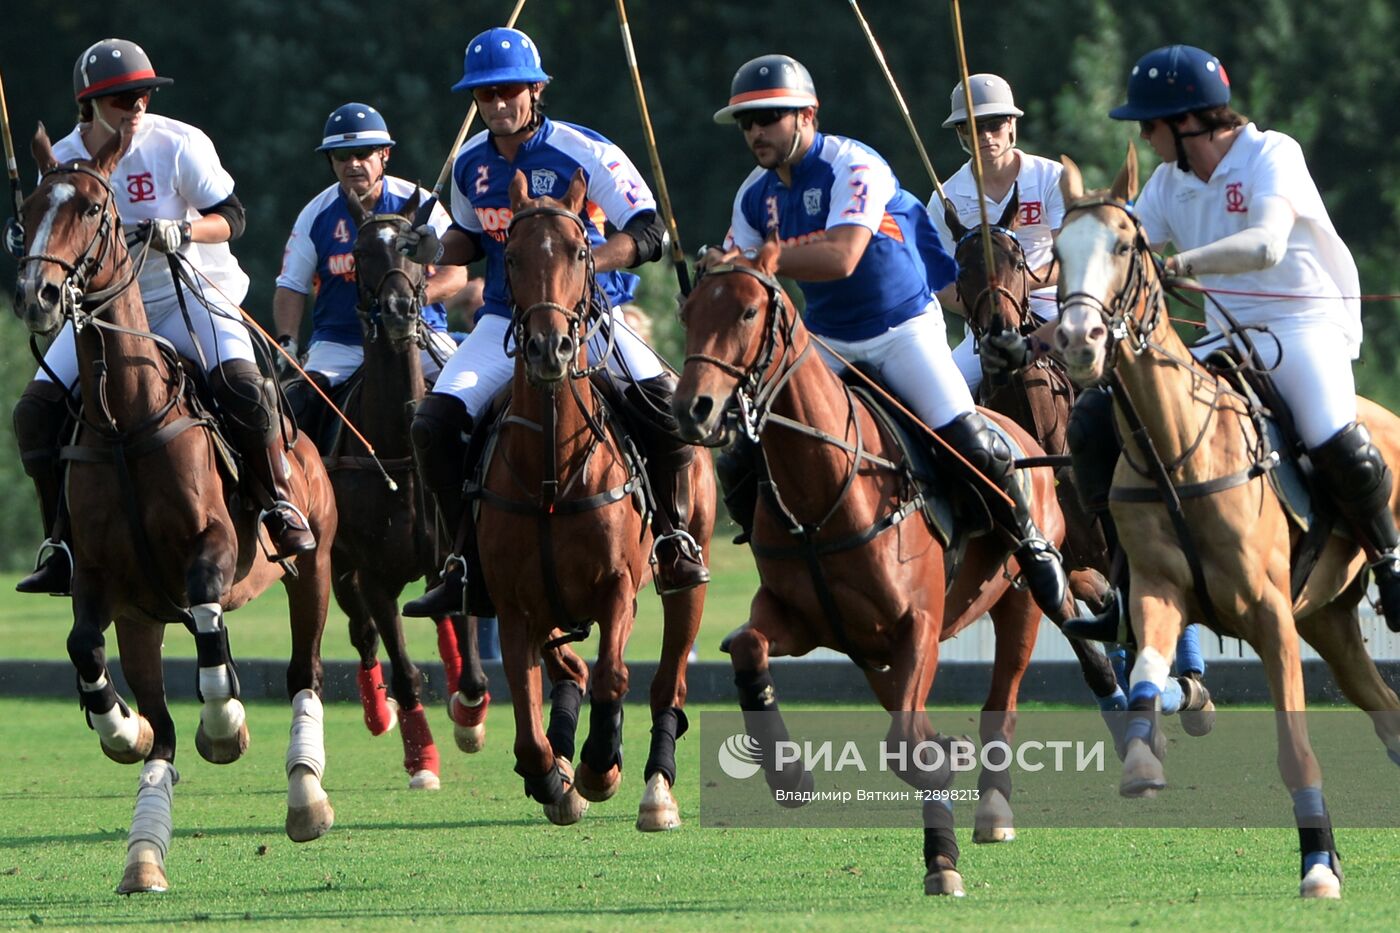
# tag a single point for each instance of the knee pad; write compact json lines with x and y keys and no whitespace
{"x":39,"y":419}
{"x":438,"y":432}
{"x":970,"y":435}
{"x":248,"y":399}
{"x":1093,"y":447}
{"x":1356,"y":469}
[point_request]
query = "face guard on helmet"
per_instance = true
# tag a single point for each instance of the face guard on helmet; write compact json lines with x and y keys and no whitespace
{"x":112,"y":66}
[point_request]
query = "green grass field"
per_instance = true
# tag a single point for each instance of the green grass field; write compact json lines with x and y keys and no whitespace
{"x":36,"y":627}
{"x":478,"y":853}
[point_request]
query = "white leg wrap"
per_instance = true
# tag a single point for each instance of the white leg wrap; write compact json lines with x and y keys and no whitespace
{"x":152,"y":821}
{"x":307,"y":747}
{"x":208,"y":617}
{"x":1150,"y":667}
{"x":214,"y":684}
{"x":115,"y":730}
{"x":222,"y":715}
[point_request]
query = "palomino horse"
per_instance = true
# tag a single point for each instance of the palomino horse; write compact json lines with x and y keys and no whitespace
{"x":1198,"y":430}
{"x":154,"y":538}
{"x":1039,"y":398}
{"x":563,"y":540}
{"x":874,"y":586}
{"x":386,"y":536}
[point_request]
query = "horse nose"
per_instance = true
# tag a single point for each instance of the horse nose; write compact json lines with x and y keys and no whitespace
{"x":694,"y":415}
{"x":36,"y":296}
{"x":553,"y":349}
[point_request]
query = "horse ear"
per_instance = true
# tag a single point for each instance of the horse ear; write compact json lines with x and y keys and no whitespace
{"x":106,"y":159}
{"x":1071,"y":181}
{"x":577,"y":193}
{"x":42,"y":149}
{"x":1011,"y":215}
{"x":519,"y":192}
{"x":1125,"y":186}
{"x":955,"y":224}
{"x":357,"y":210}
{"x":411,"y":208}
{"x":767,"y":261}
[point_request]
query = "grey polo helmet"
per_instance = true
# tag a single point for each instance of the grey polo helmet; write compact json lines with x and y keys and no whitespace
{"x":991,"y":97}
{"x":113,"y":66}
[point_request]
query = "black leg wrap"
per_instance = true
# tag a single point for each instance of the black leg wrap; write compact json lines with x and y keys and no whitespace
{"x":547,"y":788}
{"x":603,"y":747}
{"x":1093,"y":447}
{"x":939,"y":838}
{"x":666,"y":726}
{"x":999,"y":780}
{"x":564,"y":701}
{"x":211,"y":649}
{"x":100,"y":701}
{"x":756,"y":691}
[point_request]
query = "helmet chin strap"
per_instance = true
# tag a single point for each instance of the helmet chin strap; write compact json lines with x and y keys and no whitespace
{"x":1183,"y":162}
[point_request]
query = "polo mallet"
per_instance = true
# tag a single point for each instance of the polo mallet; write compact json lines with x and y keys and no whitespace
{"x":16,"y":196}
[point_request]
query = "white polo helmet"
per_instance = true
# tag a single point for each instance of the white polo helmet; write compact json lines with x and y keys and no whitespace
{"x":991,"y":97}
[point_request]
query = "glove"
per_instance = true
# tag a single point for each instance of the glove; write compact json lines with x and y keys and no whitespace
{"x":421,"y":244}
{"x":1004,"y":353}
{"x":14,"y":238}
{"x":165,"y":236}
{"x":282,"y":364}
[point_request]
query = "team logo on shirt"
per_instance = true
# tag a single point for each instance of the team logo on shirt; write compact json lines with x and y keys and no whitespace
{"x":812,"y":201}
{"x":1031,"y":212}
{"x":141,"y":187}
{"x":542,"y":181}
{"x":1234,"y":198}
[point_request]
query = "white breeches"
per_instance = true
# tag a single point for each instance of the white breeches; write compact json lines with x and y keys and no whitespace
{"x":338,"y":361}
{"x":965,"y":355}
{"x":480,"y":367}
{"x":1314,"y":376}
{"x":217,"y":324}
{"x":914,"y":362}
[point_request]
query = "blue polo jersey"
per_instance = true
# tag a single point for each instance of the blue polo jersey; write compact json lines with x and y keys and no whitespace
{"x":842,"y":181}
{"x":481,"y":179}
{"x":320,"y":256}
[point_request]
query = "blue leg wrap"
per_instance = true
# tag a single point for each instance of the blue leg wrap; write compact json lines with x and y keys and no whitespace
{"x":1171,"y":696}
{"x":1188,"y":652}
{"x":1116,"y":702}
{"x":1118,"y":657}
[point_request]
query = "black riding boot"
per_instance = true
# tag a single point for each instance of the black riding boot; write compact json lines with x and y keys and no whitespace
{"x":1356,"y":474}
{"x":680,"y":565}
{"x":1044,"y":574}
{"x":1094,"y":450}
{"x":736,"y":468}
{"x":251,"y":413}
{"x":441,"y":431}
{"x":40,"y":419}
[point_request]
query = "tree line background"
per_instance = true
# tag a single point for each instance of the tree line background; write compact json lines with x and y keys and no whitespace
{"x":260,"y":76}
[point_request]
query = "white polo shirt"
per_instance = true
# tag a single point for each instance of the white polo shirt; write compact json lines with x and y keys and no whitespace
{"x":1040,"y":213}
{"x":1179,"y":208}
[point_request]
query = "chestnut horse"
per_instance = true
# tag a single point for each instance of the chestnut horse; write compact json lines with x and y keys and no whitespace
{"x":1114,"y":327}
{"x":877,"y":590}
{"x":158,"y":534}
{"x":386,"y":536}
{"x":562,"y":537}
{"x":1039,"y":398}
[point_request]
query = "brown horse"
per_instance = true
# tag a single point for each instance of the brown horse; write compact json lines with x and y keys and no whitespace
{"x":1114,"y":326}
{"x":562,"y":535}
{"x":1039,"y":398}
{"x":386,"y":535}
{"x":158,"y":533}
{"x":874,"y":586}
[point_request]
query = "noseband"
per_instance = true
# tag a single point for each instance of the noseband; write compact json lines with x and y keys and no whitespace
{"x":753,"y":394}
{"x":990,"y":292}
{"x":591,"y":309}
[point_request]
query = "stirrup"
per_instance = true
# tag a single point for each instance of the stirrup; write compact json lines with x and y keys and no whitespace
{"x":46,"y":553}
{"x":686,"y":572}
{"x":447,"y":598}
{"x":276,"y":511}
{"x":1111,"y":626}
{"x":685,"y":543}
{"x":1040,"y":552}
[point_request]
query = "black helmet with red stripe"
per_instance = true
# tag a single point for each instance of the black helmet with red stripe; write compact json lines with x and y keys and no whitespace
{"x":112,"y":66}
{"x":769,"y":82}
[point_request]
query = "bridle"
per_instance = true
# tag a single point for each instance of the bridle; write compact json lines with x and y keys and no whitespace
{"x":756,"y":387}
{"x":585,"y":317}
{"x":990,"y":292}
{"x":370,"y":307}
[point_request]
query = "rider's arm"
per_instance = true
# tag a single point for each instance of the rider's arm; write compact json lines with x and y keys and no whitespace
{"x":834,"y":256}
{"x":1260,"y":245}
{"x":288,"y":306}
{"x":443,"y":282}
{"x":460,"y":247}
{"x":220,"y":223}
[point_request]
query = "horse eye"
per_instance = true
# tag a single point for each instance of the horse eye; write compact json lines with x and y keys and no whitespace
{"x":93,"y":210}
{"x":750,"y":312}
{"x":582,"y":253}
{"x":1122,"y":249}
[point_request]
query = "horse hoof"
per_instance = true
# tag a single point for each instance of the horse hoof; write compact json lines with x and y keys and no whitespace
{"x":469,"y":723}
{"x":1199,"y":722}
{"x":1321,"y":882}
{"x":145,"y":738}
{"x":571,"y":807}
{"x":658,"y":811}
{"x":944,"y":881}
{"x":424,"y":780}
{"x":221,"y":751}
{"x":993,"y":821}
{"x":1142,"y":771}
{"x":310,"y":822}
{"x":144,"y":878}
{"x":597,"y":787}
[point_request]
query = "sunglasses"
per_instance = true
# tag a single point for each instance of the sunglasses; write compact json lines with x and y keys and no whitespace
{"x":504,"y":91}
{"x":1147,"y":126}
{"x":987,"y":125}
{"x":127,"y":100}
{"x":751,"y":118}
{"x":348,"y":155}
